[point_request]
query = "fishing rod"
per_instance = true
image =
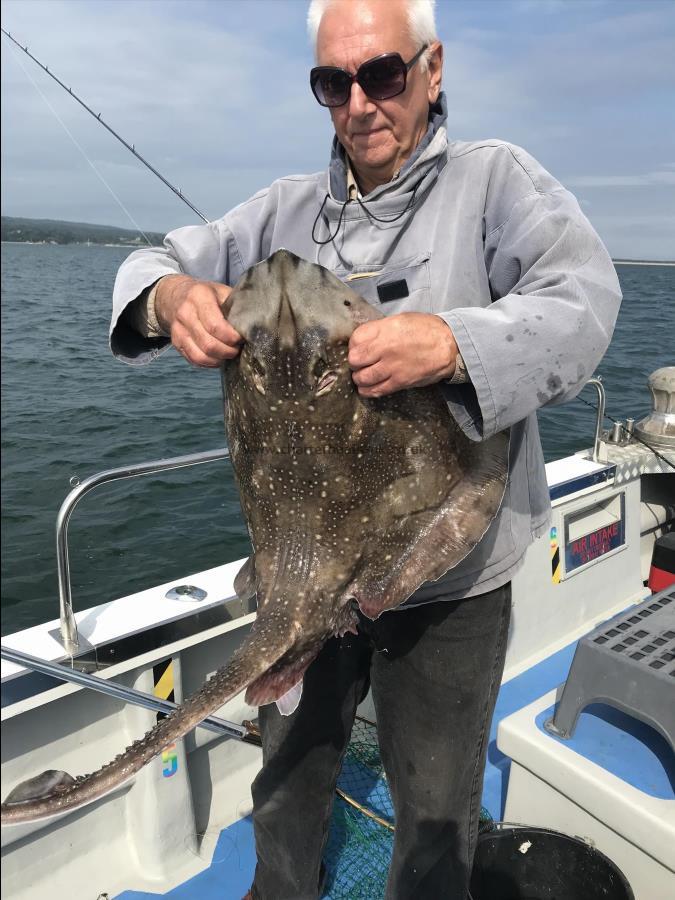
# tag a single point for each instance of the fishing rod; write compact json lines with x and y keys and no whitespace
{"x":130,"y":147}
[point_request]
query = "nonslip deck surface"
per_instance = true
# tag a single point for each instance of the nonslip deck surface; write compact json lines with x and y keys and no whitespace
{"x":359,"y":849}
{"x":231,"y":870}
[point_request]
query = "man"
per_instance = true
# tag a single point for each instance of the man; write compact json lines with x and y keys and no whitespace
{"x":497,"y":288}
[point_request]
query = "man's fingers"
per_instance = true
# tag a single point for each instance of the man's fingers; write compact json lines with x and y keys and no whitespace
{"x":370,"y":375}
{"x":381,"y":389}
{"x":222,"y":291}
{"x":193,"y":354}
{"x":211,"y":319}
{"x":200,"y":347}
{"x":199,"y":330}
{"x":185,"y":302}
{"x":364,"y":349}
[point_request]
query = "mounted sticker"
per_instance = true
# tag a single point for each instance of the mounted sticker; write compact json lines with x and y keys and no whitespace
{"x":169,"y":761}
{"x":162,"y":676}
{"x":594,"y":532}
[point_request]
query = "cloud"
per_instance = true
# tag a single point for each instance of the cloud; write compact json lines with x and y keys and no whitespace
{"x":638,"y":236}
{"x":198,"y":97}
{"x":215,"y":96}
{"x":613,"y":181}
{"x":548,"y":7}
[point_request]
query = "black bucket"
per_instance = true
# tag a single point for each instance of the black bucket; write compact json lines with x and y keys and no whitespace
{"x":527,"y":863}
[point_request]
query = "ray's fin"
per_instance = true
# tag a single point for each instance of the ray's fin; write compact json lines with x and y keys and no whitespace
{"x":444,"y":535}
{"x":245,"y":584}
{"x":290,"y":701}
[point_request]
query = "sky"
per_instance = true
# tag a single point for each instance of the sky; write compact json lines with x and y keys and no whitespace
{"x":215,"y":94}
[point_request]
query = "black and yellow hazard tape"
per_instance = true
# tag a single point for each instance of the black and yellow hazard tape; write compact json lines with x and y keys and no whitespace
{"x":555,"y":556}
{"x":555,"y":565}
{"x":162,"y":674}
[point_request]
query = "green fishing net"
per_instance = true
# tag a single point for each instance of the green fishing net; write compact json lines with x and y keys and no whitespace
{"x":361,"y":833}
{"x":360,"y":840}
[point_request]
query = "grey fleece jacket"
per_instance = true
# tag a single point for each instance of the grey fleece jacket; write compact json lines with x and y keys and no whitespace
{"x":481,"y":235}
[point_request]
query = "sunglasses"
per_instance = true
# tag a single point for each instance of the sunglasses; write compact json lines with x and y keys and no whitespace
{"x":380,"y":78}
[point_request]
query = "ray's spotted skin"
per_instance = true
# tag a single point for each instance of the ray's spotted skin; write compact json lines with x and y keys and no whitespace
{"x":347,"y":501}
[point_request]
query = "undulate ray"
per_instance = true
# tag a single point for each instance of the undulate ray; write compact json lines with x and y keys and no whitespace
{"x":347,"y":501}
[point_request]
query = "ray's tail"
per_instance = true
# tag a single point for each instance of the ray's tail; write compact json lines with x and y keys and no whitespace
{"x":53,"y":792}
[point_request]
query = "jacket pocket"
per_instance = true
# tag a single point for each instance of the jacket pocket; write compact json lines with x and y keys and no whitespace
{"x":403,"y":286}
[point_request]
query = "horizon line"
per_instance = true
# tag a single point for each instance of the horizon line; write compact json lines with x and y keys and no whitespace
{"x":618,"y":261}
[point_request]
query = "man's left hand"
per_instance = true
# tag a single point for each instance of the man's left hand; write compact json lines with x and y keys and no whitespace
{"x":401,"y":351}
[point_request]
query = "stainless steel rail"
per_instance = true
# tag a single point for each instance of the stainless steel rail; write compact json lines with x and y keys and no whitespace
{"x":118,"y":691}
{"x":68,"y":626}
{"x":69,"y":636}
{"x":600,"y":388}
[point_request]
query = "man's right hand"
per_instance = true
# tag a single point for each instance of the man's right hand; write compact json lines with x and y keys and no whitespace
{"x":190,"y":311}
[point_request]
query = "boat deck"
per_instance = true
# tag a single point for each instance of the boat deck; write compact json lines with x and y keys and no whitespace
{"x":230,"y":873}
{"x":357,"y":855}
{"x":192,"y":836}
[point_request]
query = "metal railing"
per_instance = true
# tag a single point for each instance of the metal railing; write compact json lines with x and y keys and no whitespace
{"x":118,"y":691}
{"x":600,"y":388}
{"x":68,"y":627}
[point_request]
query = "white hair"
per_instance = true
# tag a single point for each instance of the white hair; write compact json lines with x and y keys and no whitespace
{"x":421,"y":22}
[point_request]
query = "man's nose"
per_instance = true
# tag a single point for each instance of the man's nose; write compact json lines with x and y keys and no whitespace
{"x":360,"y":103}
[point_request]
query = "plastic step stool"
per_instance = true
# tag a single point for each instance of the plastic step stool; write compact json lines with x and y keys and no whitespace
{"x":629,"y":663}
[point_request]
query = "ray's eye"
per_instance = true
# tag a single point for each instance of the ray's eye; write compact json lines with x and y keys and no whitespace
{"x":320,"y":367}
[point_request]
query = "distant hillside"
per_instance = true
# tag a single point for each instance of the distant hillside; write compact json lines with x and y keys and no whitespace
{"x":52,"y":231}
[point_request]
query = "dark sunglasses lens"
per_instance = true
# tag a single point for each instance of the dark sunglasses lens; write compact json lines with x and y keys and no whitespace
{"x":331,"y":86}
{"x":383,"y":78}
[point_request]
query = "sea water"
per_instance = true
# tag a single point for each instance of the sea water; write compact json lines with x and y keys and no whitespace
{"x":70,"y":409}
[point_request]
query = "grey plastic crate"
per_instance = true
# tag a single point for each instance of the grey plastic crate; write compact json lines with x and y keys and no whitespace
{"x":629,"y":663}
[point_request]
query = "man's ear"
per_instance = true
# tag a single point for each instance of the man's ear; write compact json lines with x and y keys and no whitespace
{"x":435,"y":71}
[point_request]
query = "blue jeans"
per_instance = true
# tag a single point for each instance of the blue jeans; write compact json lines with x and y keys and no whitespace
{"x":435,"y":671}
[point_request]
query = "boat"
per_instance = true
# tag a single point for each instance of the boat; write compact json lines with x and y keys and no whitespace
{"x":181,"y":828}
{"x":78,"y":687}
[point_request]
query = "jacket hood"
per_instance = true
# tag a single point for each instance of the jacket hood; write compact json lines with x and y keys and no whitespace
{"x":428,"y":155}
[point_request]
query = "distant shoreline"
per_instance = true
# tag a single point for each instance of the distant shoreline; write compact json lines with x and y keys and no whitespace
{"x":61,"y":233}
{"x":617,"y":262}
{"x":72,"y":244}
{"x":56,"y":232}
